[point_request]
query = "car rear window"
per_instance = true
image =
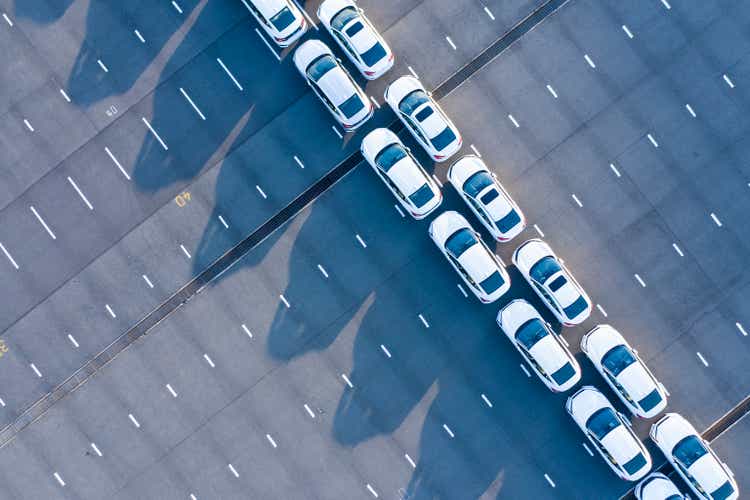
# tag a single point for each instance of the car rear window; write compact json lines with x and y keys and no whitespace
{"x":722,"y":492}
{"x":354,"y":29}
{"x":422,"y":196}
{"x":563,"y":374}
{"x":492,"y":283}
{"x":634,"y":464}
{"x":508,"y":222}
{"x":531,"y":332}
{"x":389,"y":156}
{"x":617,"y":359}
{"x":459,"y":242}
{"x":688,"y":450}
{"x":650,"y":401}
{"x":374,"y":54}
{"x":282,"y":19}
{"x":351,"y":106}
{"x":444,"y":138}
{"x":576,"y":307}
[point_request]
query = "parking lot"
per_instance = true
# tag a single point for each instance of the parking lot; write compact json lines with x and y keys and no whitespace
{"x":339,"y":358}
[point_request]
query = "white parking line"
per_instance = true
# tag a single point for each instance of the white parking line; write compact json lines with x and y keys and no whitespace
{"x":449,"y":431}
{"x":135,"y":422}
{"x":677,"y":249}
{"x":197,"y":110}
{"x":158,"y":138}
{"x":110,"y":311}
{"x":361,"y":241}
{"x":96,"y":449}
{"x":275,"y":54}
{"x":117,"y":163}
{"x":525,"y":370}
{"x":7,"y":19}
{"x":140,"y":37}
{"x":741,"y":329}
{"x":233,"y":470}
{"x":400,"y":212}
{"x":627,"y":31}
{"x":377,"y":105}
{"x":424,"y":321}
{"x":450,"y":42}
{"x":223,"y":222}
{"x":666,"y":4}
{"x":601,"y":310}
{"x":729,"y":81}
{"x":2,"y":403}
{"x":171,"y":391}
{"x":246,"y":330}
{"x":41,"y":221}
{"x":299,"y":162}
{"x":209,"y":360}
{"x":59,"y":479}
{"x":539,"y":231}
{"x":690,"y":110}
{"x":588,"y":450}
{"x":262,"y":193}
{"x":486,"y":401}
{"x":148,"y":281}
{"x":65,"y":95}
{"x":185,"y":251}
{"x":283,"y":299}
{"x":101,"y":65}
{"x":336,"y":131}
{"x":549,"y":480}
{"x":385,"y":350}
{"x":411,"y":70}
{"x":476,"y":151}
{"x":716,"y":219}
{"x":372,"y":490}
{"x":614,"y":169}
{"x":489,"y":13}
{"x":589,"y":60}
{"x":309,"y":411}
{"x":176,"y":7}
{"x":703,"y":360}
{"x":28,"y":125}
{"x":411,"y":462}
{"x":552,"y":91}
{"x":80,"y":193}
{"x":229,"y":73}
{"x":640,"y":280}
{"x":348,"y":382}
{"x":9,"y":256}
{"x":513,"y":120}
{"x":578,"y":202}
{"x":73,"y":341}
{"x":270,"y":440}
{"x":36,"y":370}
{"x":463,"y":292}
{"x":652,"y":140}
{"x":323,"y":271}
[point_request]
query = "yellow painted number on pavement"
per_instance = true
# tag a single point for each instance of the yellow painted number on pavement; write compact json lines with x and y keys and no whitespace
{"x":182,"y":199}
{"x":3,"y":348}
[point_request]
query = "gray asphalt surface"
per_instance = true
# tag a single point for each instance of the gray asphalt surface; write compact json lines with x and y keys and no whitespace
{"x":642,"y":241}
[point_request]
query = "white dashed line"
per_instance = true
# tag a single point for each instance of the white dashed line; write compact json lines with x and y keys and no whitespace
{"x":552,"y":91}
{"x":185,"y":251}
{"x":59,"y":479}
{"x":463,"y":292}
{"x":601,"y":310}
{"x":578,"y":202}
{"x":101,"y":65}
{"x":262,"y":193}
{"x":666,"y":4}
{"x":36,"y":370}
{"x":690,"y":110}
{"x":229,"y":73}
{"x":614,"y":169}
{"x":549,"y":480}
{"x":627,"y":31}
{"x":589,"y":60}
{"x":140,"y":37}
{"x":209,"y":360}
{"x":135,"y":422}
{"x":640,"y":280}
{"x":96,"y":449}
{"x":450,"y":42}
{"x":377,"y":105}
{"x":513,"y":120}
{"x":283,"y":299}
{"x":348,"y":382}
{"x":246,"y":330}
{"x":525,"y":370}
{"x":73,"y":341}
{"x":171,"y":391}
{"x":322,"y":271}
{"x":158,"y":138}
{"x":372,"y":490}
{"x":148,"y":281}
{"x":309,"y":411}
{"x":361,"y":241}
{"x":424,"y":321}
{"x":652,"y":140}
{"x":411,"y":462}
{"x":716,"y":219}
{"x":28,"y":125}
{"x":678,"y":250}
{"x":729,"y":81}
{"x":110,"y":311}
{"x":336,"y":131}
{"x":9,"y":256}
{"x":176,"y":7}
{"x":588,"y":450}
{"x":7,"y":19}
{"x":703,"y":360}
{"x":539,"y":231}
{"x":2,"y":403}
{"x":223,"y":222}
{"x":741,"y":329}
{"x":41,"y":221}
{"x":117,"y":163}
{"x":233,"y":470}
{"x":400,"y":212}
{"x":486,"y":401}
{"x":385,"y":350}
{"x":270,"y":440}
{"x":414,"y":73}
{"x":193,"y":497}
{"x":299,"y":162}
{"x":476,"y":151}
{"x":275,"y":54}
{"x":65,"y":95}
{"x":489,"y":13}
{"x":80,"y":193}
{"x":189,"y":100}
{"x":448,"y":431}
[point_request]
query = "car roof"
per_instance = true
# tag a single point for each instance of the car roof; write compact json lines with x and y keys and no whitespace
{"x":566,"y":294}
{"x":433,"y":124}
{"x":636,"y":381}
{"x":621,"y":444}
{"x":336,"y":85}
{"x":406,"y":175}
{"x":478,"y":262}
{"x":549,"y":354}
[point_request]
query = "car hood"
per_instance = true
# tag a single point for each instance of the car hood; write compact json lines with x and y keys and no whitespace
{"x":529,"y":253}
{"x":376,"y":141}
{"x":516,"y":314}
{"x":399,"y":88}
{"x":330,"y":8}
{"x":464,"y":168}
{"x":477,"y":262}
{"x":601,"y":339}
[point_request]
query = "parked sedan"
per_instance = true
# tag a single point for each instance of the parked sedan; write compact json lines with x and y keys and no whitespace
{"x":357,"y":37}
{"x":479,"y":268}
{"x":540,"y":346}
{"x":693,"y":459}
{"x":423,"y":118}
{"x":487,"y":198}
{"x":624,"y":371}
{"x":552,"y":281}
{"x":412,"y":186}
{"x":657,"y":486}
{"x":610,"y":433}
{"x":281,"y":19}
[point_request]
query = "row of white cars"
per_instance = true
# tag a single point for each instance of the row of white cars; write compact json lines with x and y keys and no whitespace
{"x":483,"y":272}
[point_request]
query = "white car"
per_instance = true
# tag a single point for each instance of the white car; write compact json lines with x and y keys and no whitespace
{"x":539,"y":345}
{"x":480,"y":269}
{"x":332,"y":84}
{"x":487,"y":198}
{"x":357,"y":37}
{"x":412,"y":186}
{"x":281,"y":19}
{"x":624,"y":371}
{"x":423,"y":118}
{"x":693,"y":458}
{"x":610,"y":433}
{"x":657,"y":486}
{"x":552,"y":281}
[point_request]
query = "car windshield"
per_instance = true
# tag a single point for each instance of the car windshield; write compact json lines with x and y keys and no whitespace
{"x":351,"y":106}
{"x":491,"y":283}
{"x":422,"y":196}
{"x":444,"y":138}
{"x":722,"y":492}
{"x":460,"y":241}
{"x":542,"y":270}
{"x":617,"y":359}
{"x":412,"y":101}
{"x":688,"y":450}
{"x":650,"y":401}
{"x":389,"y":156}
{"x":508,"y":222}
{"x":343,"y":18}
{"x":563,"y":374}
{"x":576,"y":307}
{"x":602,"y":422}
{"x":373,"y":54}
{"x":531,"y":332}
{"x":282,"y":19}
{"x":634,"y":464}
{"x":476,"y":183}
{"x":320,"y":67}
